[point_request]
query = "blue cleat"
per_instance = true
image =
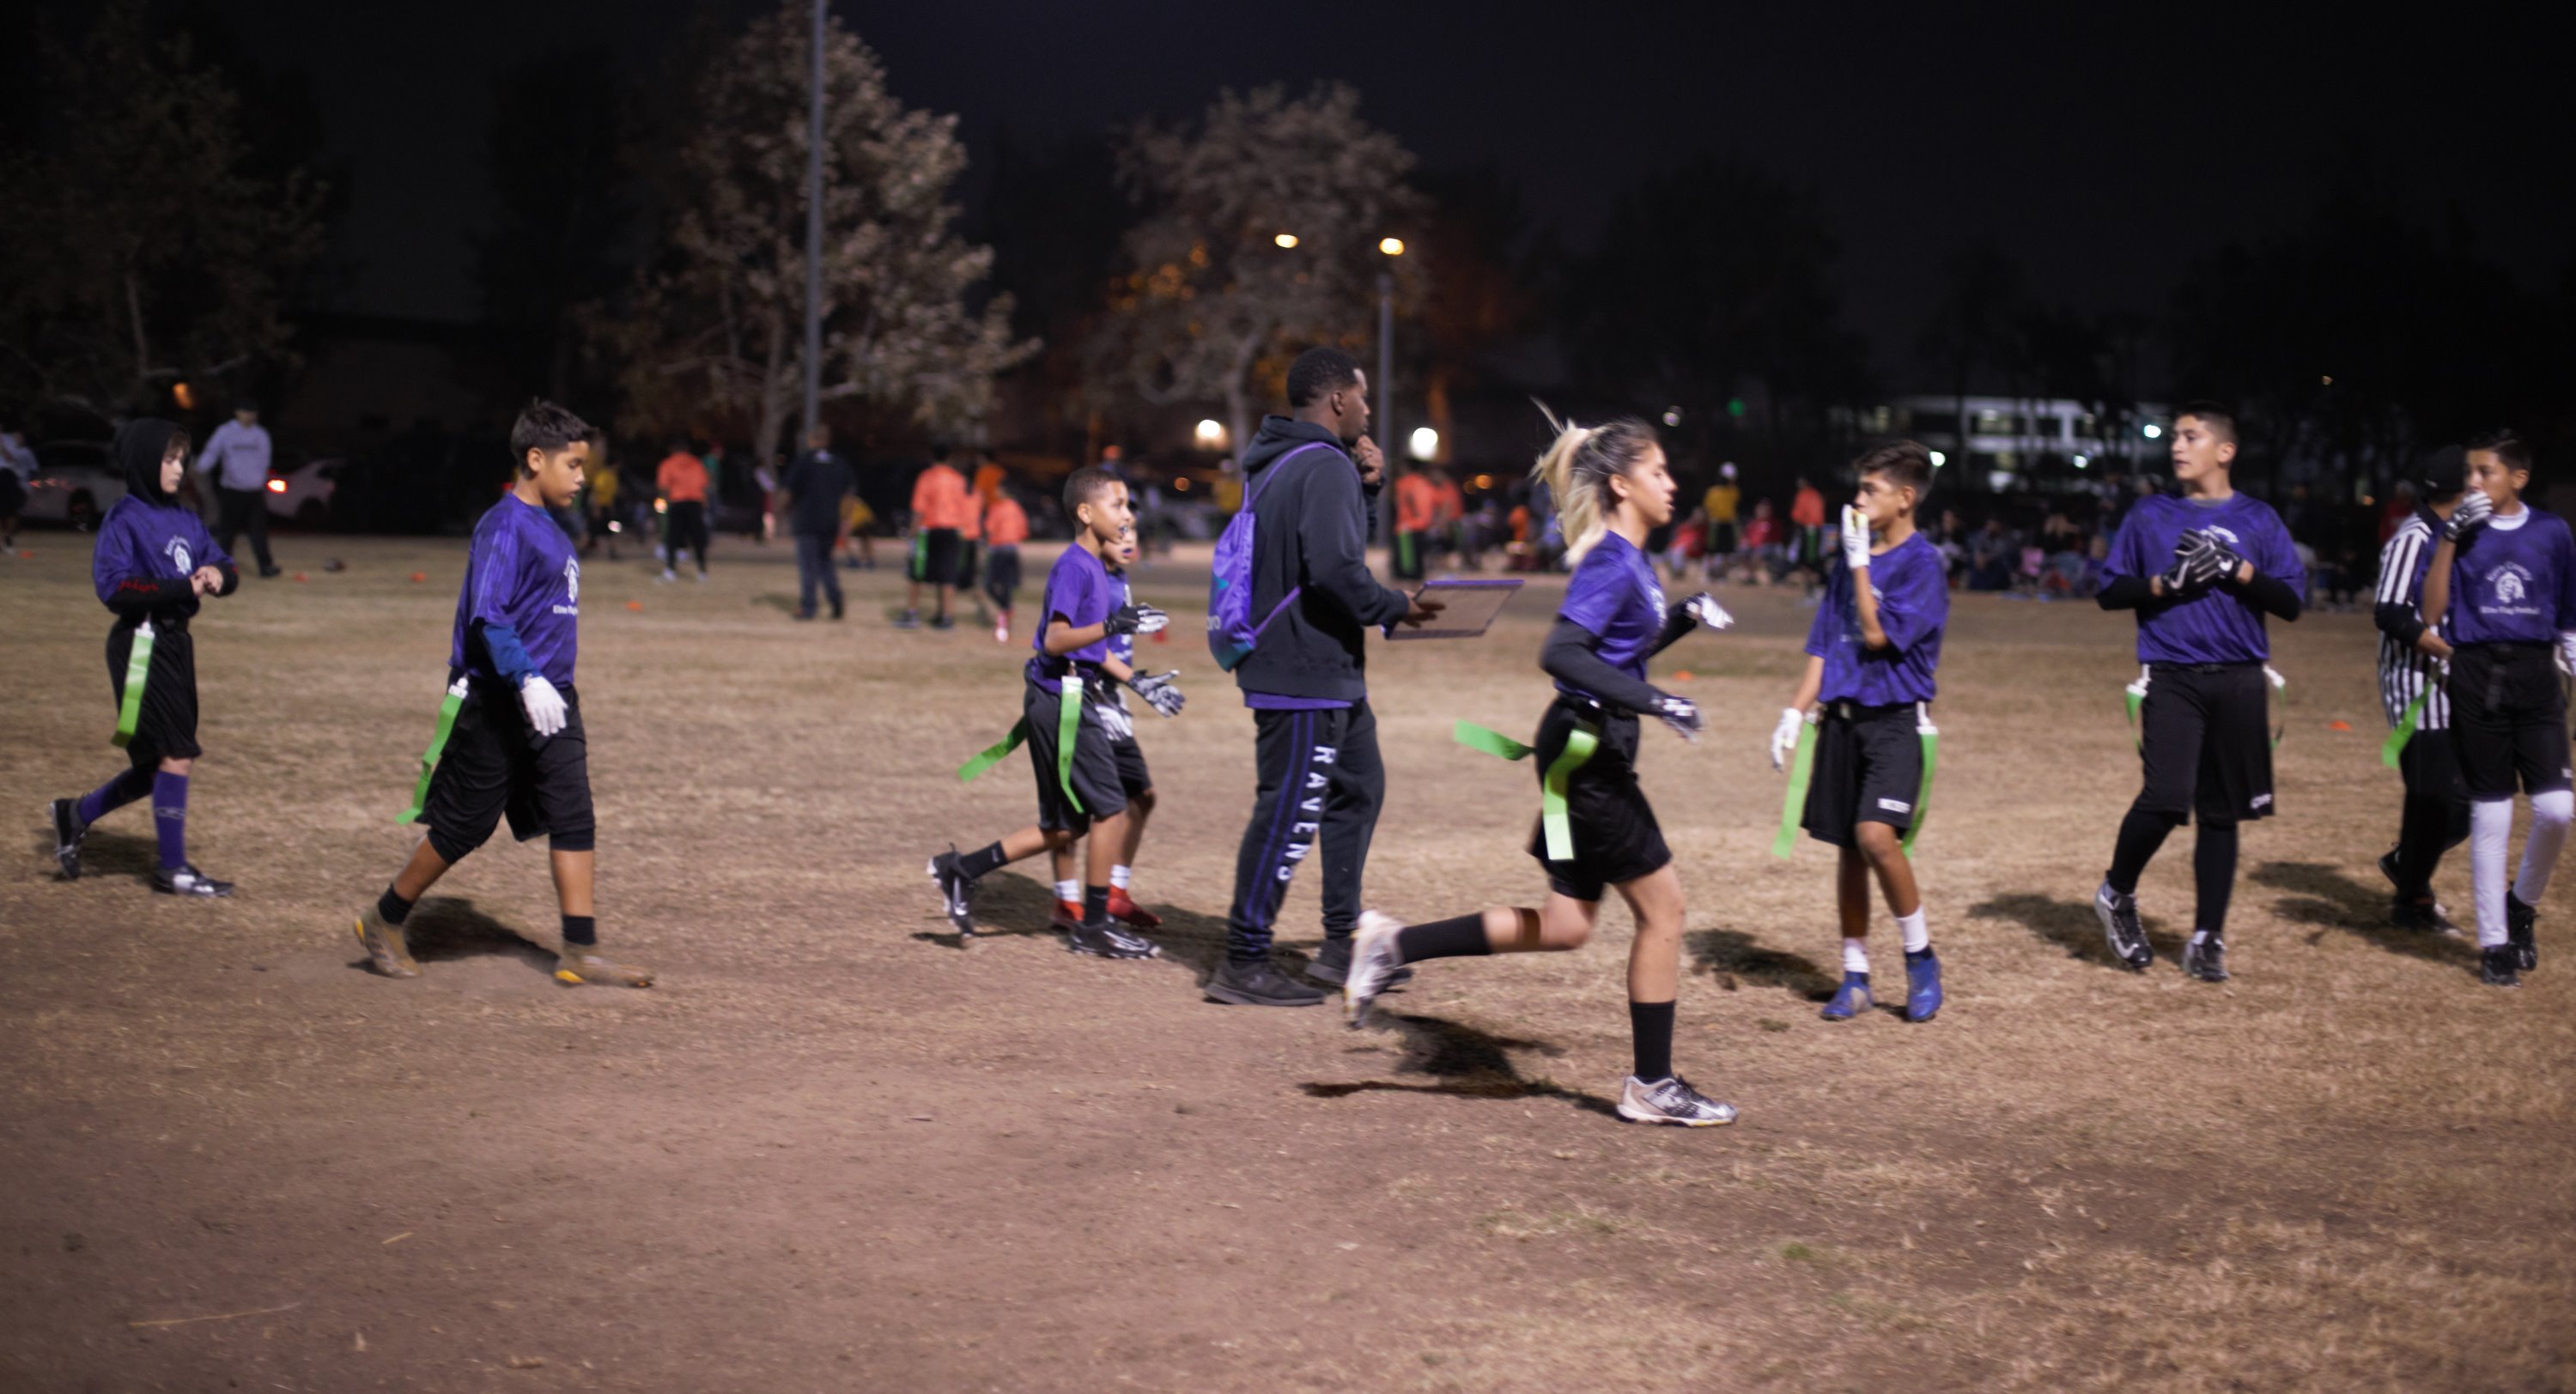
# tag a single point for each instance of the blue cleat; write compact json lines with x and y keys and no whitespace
{"x":1922,"y":985}
{"x":1850,"y":1000}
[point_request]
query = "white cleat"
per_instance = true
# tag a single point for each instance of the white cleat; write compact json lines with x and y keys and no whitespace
{"x":1671,"y":1101}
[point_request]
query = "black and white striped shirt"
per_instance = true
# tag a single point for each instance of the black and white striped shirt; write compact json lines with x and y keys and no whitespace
{"x":2406,"y":671}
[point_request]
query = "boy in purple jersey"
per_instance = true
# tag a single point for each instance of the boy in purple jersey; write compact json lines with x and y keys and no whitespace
{"x":2202,"y":568}
{"x":2504,"y":576}
{"x":1107,"y":705}
{"x":510,"y":740}
{"x":1870,"y":658}
{"x":1597,"y":831}
{"x":154,"y":565}
{"x":1079,"y":790}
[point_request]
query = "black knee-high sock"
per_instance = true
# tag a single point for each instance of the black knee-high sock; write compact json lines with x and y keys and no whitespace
{"x":972,"y":865}
{"x":2424,"y":833}
{"x":1652,"y":1023}
{"x":2141,"y":833}
{"x":2213,"y":874}
{"x":1458,"y":938}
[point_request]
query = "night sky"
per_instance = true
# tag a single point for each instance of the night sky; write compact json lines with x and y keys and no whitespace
{"x":2102,"y":146}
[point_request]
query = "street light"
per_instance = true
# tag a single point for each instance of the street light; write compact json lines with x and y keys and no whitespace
{"x":1285,"y":239}
{"x":1939,"y":459}
{"x":1392,"y":246}
{"x":2152,"y":430}
{"x":1210,"y":434}
{"x":1424,"y":443}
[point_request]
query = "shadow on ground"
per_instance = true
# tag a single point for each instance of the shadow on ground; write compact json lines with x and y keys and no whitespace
{"x":1009,"y":904}
{"x":109,"y":853}
{"x":1466,"y":1062}
{"x":1734,"y":958}
{"x":2072,"y":926}
{"x":2325,"y":896}
{"x":446,"y":928}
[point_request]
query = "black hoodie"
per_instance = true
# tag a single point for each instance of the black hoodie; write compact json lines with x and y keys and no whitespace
{"x":141,"y":444}
{"x":1310,"y":529}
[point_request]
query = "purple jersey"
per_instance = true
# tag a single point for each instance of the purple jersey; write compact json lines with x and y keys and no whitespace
{"x":2514,"y":582}
{"x":1081,"y":592}
{"x":1614,"y":594}
{"x":521,"y":572}
{"x":1911,"y":581}
{"x":2217,"y":624}
{"x":147,"y":542}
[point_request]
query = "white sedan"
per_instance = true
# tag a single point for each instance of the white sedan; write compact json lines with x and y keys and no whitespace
{"x":72,"y":484}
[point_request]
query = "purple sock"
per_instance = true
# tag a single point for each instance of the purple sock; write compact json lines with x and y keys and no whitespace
{"x":113,"y":795}
{"x":170,"y":818}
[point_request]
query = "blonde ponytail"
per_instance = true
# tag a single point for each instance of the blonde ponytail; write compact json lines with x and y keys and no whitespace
{"x":1577,"y":468}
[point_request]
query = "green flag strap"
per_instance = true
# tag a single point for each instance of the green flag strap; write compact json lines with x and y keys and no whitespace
{"x":1404,"y":553}
{"x":138,"y":673}
{"x":2395,"y":745}
{"x":437,"y":746}
{"x":1794,"y":806}
{"x":920,"y":551}
{"x":2136,"y":696}
{"x":1580,"y":743}
{"x":1923,"y":795}
{"x":1494,"y":743}
{"x":2281,"y":688}
{"x":1068,"y":726}
{"x":992,"y":754}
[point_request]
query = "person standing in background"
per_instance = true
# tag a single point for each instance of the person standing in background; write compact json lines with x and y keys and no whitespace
{"x":1807,"y":534}
{"x":603,"y":503}
{"x":940,"y":507}
{"x":1006,"y":526}
{"x":17,"y":471}
{"x":1721,"y":502}
{"x":237,"y":454}
{"x":682,"y":482}
{"x":816,"y":484}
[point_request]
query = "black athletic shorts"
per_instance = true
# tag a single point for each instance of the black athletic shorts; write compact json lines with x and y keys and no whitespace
{"x":1133,"y":777}
{"x":165,"y":727}
{"x":2206,"y":741}
{"x":495,"y":766}
{"x":934,"y":556}
{"x":1095,"y":765}
{"x":1002,"y":575}
{"x":1869,"y":769}
{"x":2508,"y":719}
{"x":965,"y":565}
{"x":2430,"y":764}
{"x":1616,"y":837}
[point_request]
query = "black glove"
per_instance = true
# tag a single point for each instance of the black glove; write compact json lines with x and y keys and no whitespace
{"x":2178,"y":576}
{"x":2214,"y":561}
{"x":1161,"y":691}
{"x":1137,"y":619}
{"x":2472,"y":514}
{"x":1683,"y":715}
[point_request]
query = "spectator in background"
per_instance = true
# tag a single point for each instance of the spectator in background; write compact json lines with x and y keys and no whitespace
{"x":603,"y":501}
{"x":17,"y":471}
{"x":237,"y":454}
{"x":1415,"y":504}
{"x":1807,"y":540}
{"x":1992,"y":554}
{"x":941,"y":508}
{"x":1689,"y":546}
{"x":2394,"y":513}
{"x":1720,"y":504}
{"x":1448,"y":513}
{"x":681,"y":483}
{"x":1766,"y":553}
{"x":1006,"y":526}
{"x":815,"y":486}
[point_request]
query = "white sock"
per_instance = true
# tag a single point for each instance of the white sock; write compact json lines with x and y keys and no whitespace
{"x":1070,"y":892}
{"x":1855,"y":955}
{"x":1918,"y":935}
{"x":2490,"y":828}
{"x":2550,"y":813}
{"x":1120,"y":875}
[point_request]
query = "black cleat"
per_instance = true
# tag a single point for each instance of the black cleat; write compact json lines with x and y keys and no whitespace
{"x":1257,"y":984}
{"x":956,"y":890}
{"x":2388,"y":868}
{"x":68,"y":832}
{"x":837,"y":607}
{"x":2519,"y":920}
{"x":2206,"y":959}
{"x":942,"y":622}
{"x":2496,"y":963}
{"x":1107,"y":940}
{"x":2422,"y":917}
{"x":2121,"y":930}
{"x":1332,"y":963}
{"x":187,"y":880}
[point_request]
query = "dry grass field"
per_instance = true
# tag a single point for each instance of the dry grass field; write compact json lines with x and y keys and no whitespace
{"x":837,"y":1149}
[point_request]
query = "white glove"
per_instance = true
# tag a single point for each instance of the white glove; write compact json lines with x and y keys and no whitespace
{"x":1704,"y":608}
{"x":1136,"y":619}
{"x":1784,"y":737}
{"x":1114,"y":721}
{"x":1855,"y":538}
{"x":2472,"y":514}
{"x":544,"y":705}
{"x":1161,"y":691}
{"x":1683,"y":715}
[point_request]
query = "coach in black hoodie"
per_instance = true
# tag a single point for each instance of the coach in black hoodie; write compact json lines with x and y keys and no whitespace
{"x":1309,"y":479}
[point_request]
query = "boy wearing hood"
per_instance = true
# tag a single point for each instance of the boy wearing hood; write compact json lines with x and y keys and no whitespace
{"x":154,"y":565}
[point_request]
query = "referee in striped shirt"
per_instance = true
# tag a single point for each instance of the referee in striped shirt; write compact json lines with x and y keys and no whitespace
{"x":2414,"y":661}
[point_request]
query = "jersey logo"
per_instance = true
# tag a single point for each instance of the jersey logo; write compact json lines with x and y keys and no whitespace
{"x":2233,"y":542}
{"x":1895,"y":806}
{"x":179,"y":556}
{"x":2509,"y":584}
{"x":572,"y":580}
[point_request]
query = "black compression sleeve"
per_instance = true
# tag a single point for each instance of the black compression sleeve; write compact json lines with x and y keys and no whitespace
{"x":2399,"y":621}
{"x":2272,"y":596}
{"x":1570,"y":657}
{"x":1678,"y":623}
{"x":2126,"y":593}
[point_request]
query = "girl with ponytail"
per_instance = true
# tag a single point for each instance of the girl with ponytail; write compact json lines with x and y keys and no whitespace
{"x":1596,"y":831}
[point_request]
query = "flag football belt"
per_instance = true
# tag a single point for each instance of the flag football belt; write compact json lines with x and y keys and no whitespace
{"x":1802,"y":770}
{"x":2136,"y":697}
{"x":447,"y":708}
{"x":1068,"y":726}
{"x":1580,"y":743}
{"x":138,"y":672}
{"x":2395,"y":745}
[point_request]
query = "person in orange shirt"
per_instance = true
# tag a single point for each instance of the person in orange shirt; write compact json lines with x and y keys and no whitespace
{"x":942,"y":510}
{"x":1416,"y":500}
{"x":1006,"y":526}
{"x":1807,"y":545}
{"x":970,"y":527}
{"x":682,"y":484}
{"x":1448,"y":512}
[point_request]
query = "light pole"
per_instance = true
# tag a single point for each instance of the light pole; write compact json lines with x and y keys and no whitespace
{"x":1390,"y":247}
{"x":814,"y":238}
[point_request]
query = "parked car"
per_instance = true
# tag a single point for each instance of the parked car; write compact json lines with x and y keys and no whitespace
{"x":73,"y":484}
{"x":301,"y":493}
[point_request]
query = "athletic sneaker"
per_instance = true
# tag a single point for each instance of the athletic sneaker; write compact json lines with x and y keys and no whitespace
{"x":2496,"y":965}
{"x":68,"y":832}
{"x":1333,"y":961}
{"x":576,"y":964}
{"x":956,"y":890}
{"x":909,"y":619}
{"x":1107,"y":940}
{"x":2423,"y":916}
{"x":1124,"y":909}
{"x":2519,"y":921}
{"x":942,"y":622}
{"x":2121,"y":930}
{"x":2205,"y":959}
{"x":667,"y":576}
{"x":838,"y":606}
{"x":1850,"y":1000}
{"x":1258,"y":984}
{"x":1066,"y":916}
{"x":1001,"y":634}
{"x":187,"y":880}
{"x":385,"y":945}
{"x":1369,"y":965}
{"x":1671,"y":1101}
{"x":1922,"y":985}
{"x":702,"y":578}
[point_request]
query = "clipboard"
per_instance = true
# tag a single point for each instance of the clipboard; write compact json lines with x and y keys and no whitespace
{"x":1470,"y":605}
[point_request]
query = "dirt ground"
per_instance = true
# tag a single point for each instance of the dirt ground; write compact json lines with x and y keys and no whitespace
{"x":837,"y":1149}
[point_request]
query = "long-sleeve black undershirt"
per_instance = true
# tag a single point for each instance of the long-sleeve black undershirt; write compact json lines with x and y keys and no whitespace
{"x":1572,"y":657}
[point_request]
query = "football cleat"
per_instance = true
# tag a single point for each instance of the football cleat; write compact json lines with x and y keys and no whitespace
{"x":68,"y":832}
{"x":1107,"y":940}
{"x":1124,"y":909}
{"x":2496,"y":965}
{"x":576,"y":964}
{"x":2205,"y":959}
{"x":1370,"y":963}
{"x":1850,"y":1000}
{"x":2121,"y":929}
{"x":1922,"y":985}
{"x":1257,"y":984}
{"x":2424,"y":917}
{"x":956,"y":890}
{"x":385,"y":945}
{"x":1671,"y":1101}
{"x":187,"y":880}
{"x":1066,"y":916}
{"x":2388,"y":868}
{"x":2519,"y":921}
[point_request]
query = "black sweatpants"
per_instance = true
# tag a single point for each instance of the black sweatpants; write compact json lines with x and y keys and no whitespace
{"x":237,"y":509}
{"x":1318,"y":772}
{"x":814,"y":568}
{"x":684,"y":529}
{"x":2436,"y":814}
